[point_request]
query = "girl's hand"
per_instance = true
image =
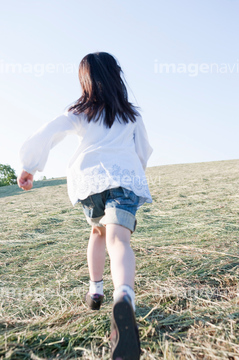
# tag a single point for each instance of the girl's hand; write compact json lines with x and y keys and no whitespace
{"x":25,"y":180}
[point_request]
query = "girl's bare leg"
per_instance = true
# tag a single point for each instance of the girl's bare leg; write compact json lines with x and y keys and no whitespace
{"x":122,"y":259}
{"x":125,"y":341}
{"x":96,"y":253}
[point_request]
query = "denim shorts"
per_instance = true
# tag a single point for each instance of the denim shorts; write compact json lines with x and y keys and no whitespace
{"x":112,"y":206}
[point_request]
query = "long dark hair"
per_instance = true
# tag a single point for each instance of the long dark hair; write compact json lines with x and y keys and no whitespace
{"x":103,"y":90}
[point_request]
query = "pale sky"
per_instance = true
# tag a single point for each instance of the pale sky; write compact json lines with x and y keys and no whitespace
{"x":180,"y":59}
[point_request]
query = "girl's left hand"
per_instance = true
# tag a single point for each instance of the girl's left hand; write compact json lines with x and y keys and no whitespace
{"x":25,"y":180}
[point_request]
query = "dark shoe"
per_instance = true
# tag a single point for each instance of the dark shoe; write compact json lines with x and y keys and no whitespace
{"x":125,"y":342}
{"x":94,"y":301}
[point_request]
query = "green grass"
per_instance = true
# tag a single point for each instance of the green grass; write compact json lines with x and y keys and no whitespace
{"x":187,"y":257}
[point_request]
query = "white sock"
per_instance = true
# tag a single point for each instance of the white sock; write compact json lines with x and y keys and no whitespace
{"x":127,"y":289}
{"x":96,"y":287}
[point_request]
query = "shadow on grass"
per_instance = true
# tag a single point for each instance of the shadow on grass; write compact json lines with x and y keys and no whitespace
{"x":42,"y":342}
{"x":41,"y":346}
{"x":162,"y":325}
{"x":13,"y":190}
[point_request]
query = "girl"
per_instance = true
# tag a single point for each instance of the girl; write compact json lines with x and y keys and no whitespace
{"x":106,"y":175}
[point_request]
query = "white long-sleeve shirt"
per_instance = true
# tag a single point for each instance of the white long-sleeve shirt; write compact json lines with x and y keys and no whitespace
{"x":105,"y":158}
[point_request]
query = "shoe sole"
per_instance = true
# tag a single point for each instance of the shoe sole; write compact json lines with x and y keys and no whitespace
{"x":127,"y":347}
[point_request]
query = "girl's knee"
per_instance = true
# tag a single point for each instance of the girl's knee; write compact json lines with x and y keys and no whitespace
{"x":98,"y":230}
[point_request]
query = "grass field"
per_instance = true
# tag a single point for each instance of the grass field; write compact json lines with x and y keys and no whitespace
{"x":187,"y":256}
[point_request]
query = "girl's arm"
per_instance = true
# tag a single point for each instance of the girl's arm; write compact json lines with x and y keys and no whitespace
{"x":142,"y":146}
{"x":34,"y":152}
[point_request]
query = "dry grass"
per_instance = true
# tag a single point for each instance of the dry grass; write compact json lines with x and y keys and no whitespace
{"x":186,"y":247}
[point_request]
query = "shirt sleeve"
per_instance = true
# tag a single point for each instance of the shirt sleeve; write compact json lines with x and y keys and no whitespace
{"x":142,"y":146}
{"x":34,"y":152}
